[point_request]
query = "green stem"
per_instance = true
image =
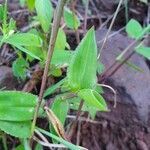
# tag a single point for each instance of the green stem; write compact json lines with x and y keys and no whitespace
{"x":55,"y":28}
{"x":4,"y":140}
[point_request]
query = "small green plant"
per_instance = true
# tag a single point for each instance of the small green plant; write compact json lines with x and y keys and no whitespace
{"x":137,"y":32}
{"x":17,"y":108}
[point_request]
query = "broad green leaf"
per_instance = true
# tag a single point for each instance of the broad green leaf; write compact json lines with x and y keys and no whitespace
{"x":66,"y":143}
{"x":53,"y":88}
{"x":24,"y":39}
{"x":134,"y":29}
{"x":31,"y":4}
{"x":17,"y":129}
{"x":17,"y":99}
{"x":144,"y":51}
{"x":17,"y":106}
{"x":82,"y":69}
{"x":16,"y":113}
{"x":71,"y":20}
{"x":92,"y":98}
{"x":36,"y":51}
{"x":20,"y":68}
{"x":44,"y":11}
{"x":60,"y":40}
{"x":61,"y":58}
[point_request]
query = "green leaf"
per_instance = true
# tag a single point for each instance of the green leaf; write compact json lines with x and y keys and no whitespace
{"x":82,"y":69}
{"x":134,"y":29}
{"x":25,"y":50}
{"x":21,"y":104}
{"x":144,"y":51}
{"x":20,"y":68}
{"x":1,"y":12}
{"x":100,"y":67}
{"x":66,"y":143}
{"x":94,"y":99}
{"x":11,"y":25}
{"x":60,"y":40}
{"x":17,"y":99}
{"x":16,"y":113}
{"x":20,"y":147}
{"x":31,"y":4}
{"x":24,"y":39}
{"x":53,"y":88}
{"x":55,"y":71}
{"x":17,"y":129}
{"x":44,"y":11}
{"x":21,"y":40}
{"x":17,"y":106}
{"x":71,"y":20}
{"x":61,"y":58}
{"x":38,"y":147}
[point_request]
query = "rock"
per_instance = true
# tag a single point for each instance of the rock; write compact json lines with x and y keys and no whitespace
{"x":135,"y":84}
{"x":7,"y":80}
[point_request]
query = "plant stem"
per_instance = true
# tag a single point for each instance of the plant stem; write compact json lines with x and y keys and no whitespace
{"x":110,"y":27}
{"x":55,"y":28}
{"x":4,"y":140}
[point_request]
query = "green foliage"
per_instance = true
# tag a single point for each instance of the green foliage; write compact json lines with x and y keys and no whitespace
{"x":54,"y":87}
{"x":20,"y":68}
{"x":61,"y":40}
{"x":24,"y":39}
{"x":144,"y":51}
{"x":31,"y":4}
{"x":92,"y":98}
{"x":44,"y":11}
{"x":17,"y":129}
{"x":133,"y":28}
{"x":71,"y":20}
{"x":16,"y":112}
{"x":1,"y":12}
{"x":17,"y":108}
{"x":62,"y":58}
{"x":82,"y":69}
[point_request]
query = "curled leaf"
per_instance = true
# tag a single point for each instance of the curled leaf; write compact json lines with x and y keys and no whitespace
{"x":56,"y":123}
